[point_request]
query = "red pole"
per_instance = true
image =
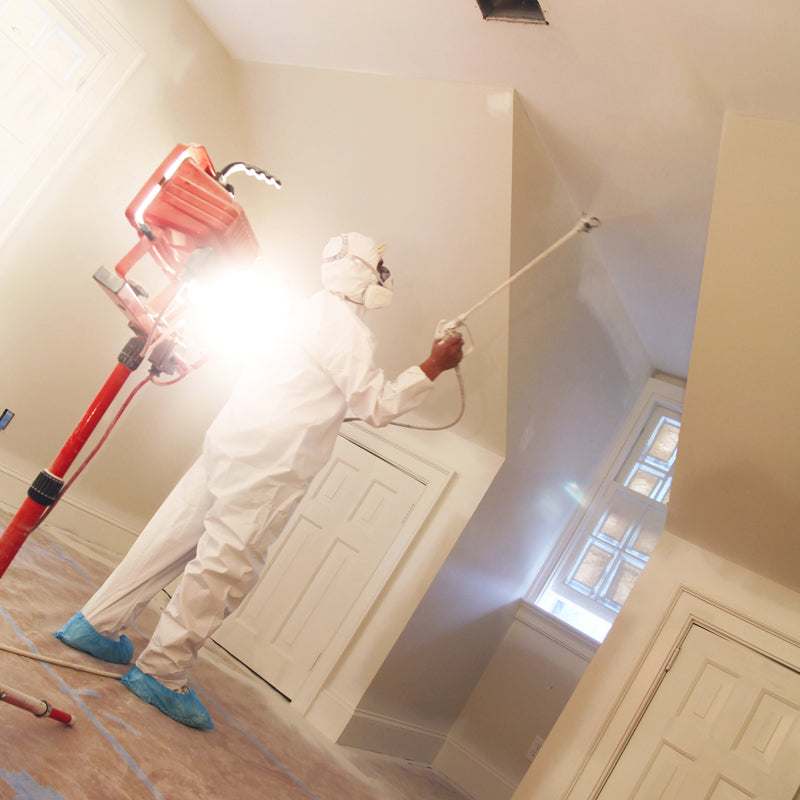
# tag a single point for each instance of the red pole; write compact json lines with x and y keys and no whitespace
{"x":44,"y":491}
{"x":39,"y":708}
{"x":85,"y":428}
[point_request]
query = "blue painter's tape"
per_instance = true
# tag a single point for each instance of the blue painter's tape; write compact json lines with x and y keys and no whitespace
{"x":86,"y":692}
{"x":68,"y":690}
{"x":27,"y":788}
{"x":121,"y":722}
{"x":70,"y":562}
{"x":256,"y":743}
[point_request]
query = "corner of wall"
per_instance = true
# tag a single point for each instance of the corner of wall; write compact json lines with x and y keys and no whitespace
{"x":477,"y":776}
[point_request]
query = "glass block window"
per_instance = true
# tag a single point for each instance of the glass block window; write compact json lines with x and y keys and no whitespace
{"x":615,"y":537}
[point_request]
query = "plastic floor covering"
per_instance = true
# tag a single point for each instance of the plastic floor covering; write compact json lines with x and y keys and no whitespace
{"x":119,"y":747}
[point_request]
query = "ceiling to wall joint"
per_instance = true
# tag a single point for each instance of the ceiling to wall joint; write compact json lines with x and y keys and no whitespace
{"x":512,"y":10}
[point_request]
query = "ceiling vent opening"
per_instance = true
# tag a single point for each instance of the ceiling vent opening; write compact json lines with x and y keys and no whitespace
{"x":512,"y":10}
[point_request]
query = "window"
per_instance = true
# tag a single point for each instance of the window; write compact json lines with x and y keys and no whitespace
{"x":609,"y":544}
{"x":61,"y":61}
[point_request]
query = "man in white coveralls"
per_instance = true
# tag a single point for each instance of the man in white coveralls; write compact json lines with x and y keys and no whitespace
{"x":259,"y":455}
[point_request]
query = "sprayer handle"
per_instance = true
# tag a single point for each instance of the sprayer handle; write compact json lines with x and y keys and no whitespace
{"x":455,"y":327}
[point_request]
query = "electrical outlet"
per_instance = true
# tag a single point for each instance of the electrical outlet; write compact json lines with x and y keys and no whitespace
{"x":535,"y":747}
{"x":5,"y":418}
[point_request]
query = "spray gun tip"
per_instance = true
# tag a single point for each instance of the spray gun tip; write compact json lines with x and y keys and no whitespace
{"x":587,"y":223}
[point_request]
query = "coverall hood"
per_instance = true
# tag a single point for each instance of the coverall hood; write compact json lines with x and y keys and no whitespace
{"x":350,"y":265}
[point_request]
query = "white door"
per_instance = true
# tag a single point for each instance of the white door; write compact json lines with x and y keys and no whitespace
{"x":319,"y":567}
{"x":723,"y":725}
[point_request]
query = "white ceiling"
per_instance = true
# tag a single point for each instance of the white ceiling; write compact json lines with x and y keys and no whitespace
{"x":629,"y":98}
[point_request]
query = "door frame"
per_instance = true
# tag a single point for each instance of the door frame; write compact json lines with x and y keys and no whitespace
{"x":435,"y":479}
{"x":689,"y":607}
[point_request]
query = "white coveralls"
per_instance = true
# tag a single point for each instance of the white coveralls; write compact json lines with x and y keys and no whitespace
{"x":259,"y":455}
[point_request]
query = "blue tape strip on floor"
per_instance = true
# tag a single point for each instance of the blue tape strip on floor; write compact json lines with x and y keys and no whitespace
{"x":70,"y":692}
{"x":254,"y":741}
{"x":26,"y":787}
{"x":121,"y":723}
{"x":69,"y":561}
{"x":108,"y":736}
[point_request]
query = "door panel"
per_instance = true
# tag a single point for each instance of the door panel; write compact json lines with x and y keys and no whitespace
{"x":723,"y":725}
{"x":332,"y":545}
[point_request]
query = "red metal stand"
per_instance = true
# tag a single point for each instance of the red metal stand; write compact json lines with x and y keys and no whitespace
{"x":49,"y":483}
{"x":185,"y":210}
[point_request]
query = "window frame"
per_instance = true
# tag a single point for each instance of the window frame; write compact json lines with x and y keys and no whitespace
{"x":658,"y":391}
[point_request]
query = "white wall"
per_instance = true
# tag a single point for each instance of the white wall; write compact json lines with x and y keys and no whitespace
{"x":421,"y":165}
{"x":515,"y":704}
{"x":576,"y":369}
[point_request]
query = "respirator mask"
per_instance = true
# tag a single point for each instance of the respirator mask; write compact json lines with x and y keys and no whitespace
{"x":353,"y":268}
{"x":379,"y":295}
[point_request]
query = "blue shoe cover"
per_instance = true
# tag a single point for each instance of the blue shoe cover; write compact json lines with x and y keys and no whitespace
{"x":80,"y":635}
{"x":184,"y":707}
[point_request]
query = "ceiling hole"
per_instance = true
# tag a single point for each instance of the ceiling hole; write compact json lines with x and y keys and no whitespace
{"x":512,"y":10}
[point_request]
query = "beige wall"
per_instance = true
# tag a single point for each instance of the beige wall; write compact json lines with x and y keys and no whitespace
{"x":576,"y":369}
{"x":388,"y":156}
{"x":62,"y":334}
{"x":514,"y":705}
{"x":733,"y":499}
{"x":421,"y":165}
{"x":736,"y":481}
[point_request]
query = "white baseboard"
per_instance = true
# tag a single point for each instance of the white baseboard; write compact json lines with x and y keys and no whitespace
{"x":70,"y":515}
{"x":382,"y":734}
{"x":329,"y":714}
{"x":465,"y":769}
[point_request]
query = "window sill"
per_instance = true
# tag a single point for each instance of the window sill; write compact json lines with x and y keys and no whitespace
{"x":553,"y":628}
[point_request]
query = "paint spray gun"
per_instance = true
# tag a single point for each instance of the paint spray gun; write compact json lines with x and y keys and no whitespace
{"x":455,"y":327}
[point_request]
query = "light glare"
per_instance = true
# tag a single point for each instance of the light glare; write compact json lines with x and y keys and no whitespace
{"x":241,"y":311}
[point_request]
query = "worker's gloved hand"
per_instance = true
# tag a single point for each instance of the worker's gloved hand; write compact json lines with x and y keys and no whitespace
{"x":446,"y":353}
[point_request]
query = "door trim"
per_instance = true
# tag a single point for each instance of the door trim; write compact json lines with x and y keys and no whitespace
{"x":688,"y":607}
